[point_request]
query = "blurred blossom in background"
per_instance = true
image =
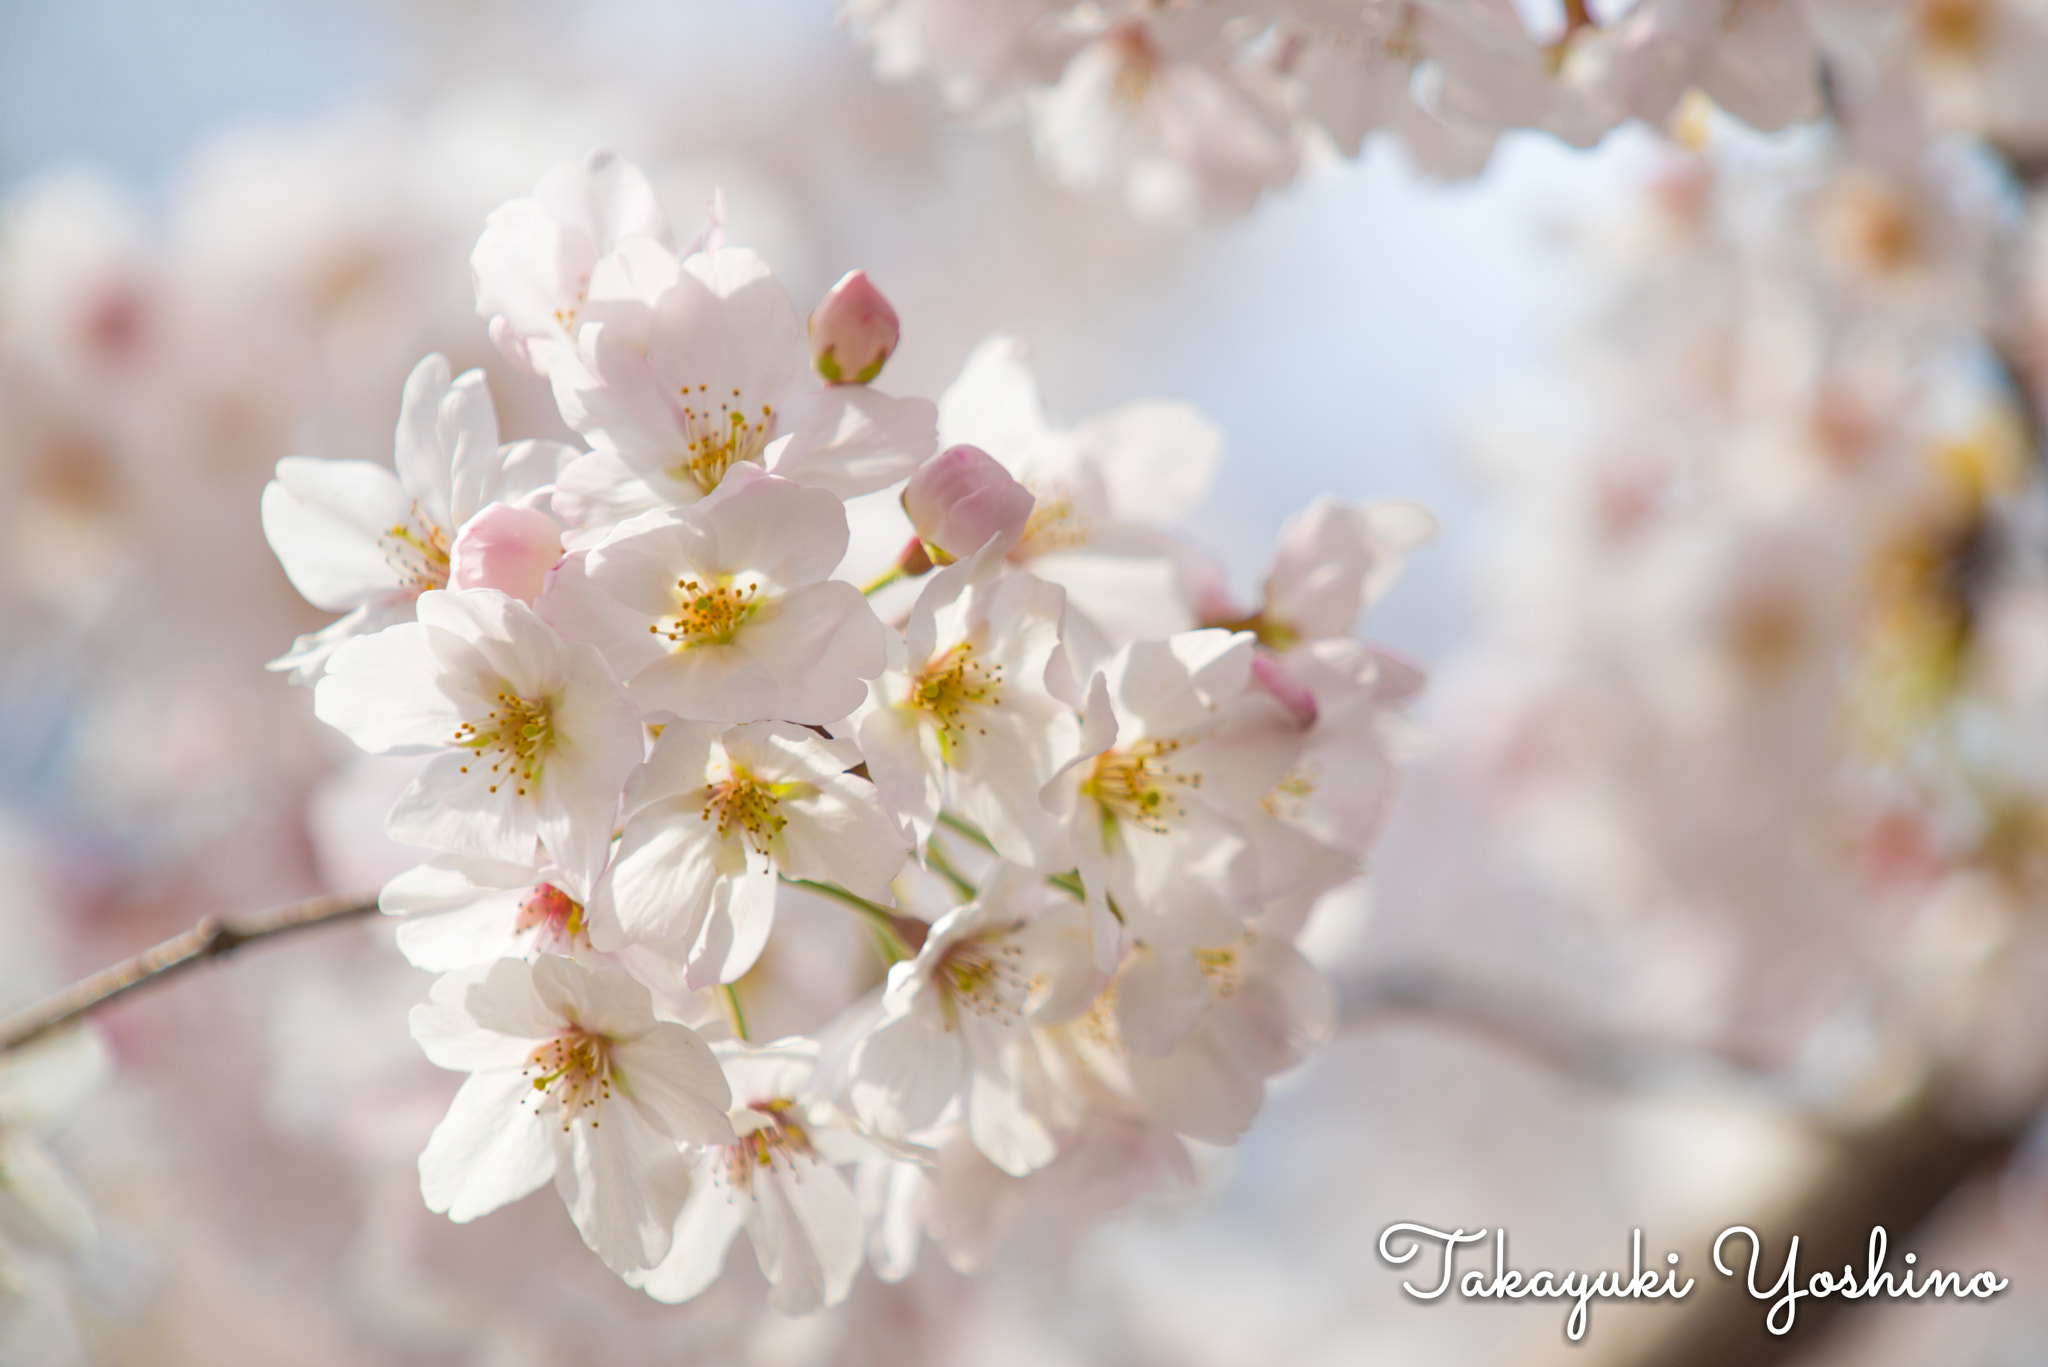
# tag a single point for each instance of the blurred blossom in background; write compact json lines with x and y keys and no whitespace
{"x":1714,"y":892}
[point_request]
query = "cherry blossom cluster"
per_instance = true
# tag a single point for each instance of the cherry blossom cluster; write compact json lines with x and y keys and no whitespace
{"x":1763,"y":629}
{"x":1081,"y":798}
{"x":1196,"y":108}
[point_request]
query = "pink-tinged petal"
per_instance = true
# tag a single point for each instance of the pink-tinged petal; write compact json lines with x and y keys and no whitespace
{"x":383,"y":693}
{"x":676,"y":764}
{"x":326,"y":520}
{"x":662,"y":878}
{"x":451,"y":805}
{"x":736,"y":930}
{"x":704,"y":1234}
{"x":1161,"y":996}
{"x":995,"y":404}
{"x":850,"y":440}
{"x":904,"y":1073}
{"x":806,"y":1229}
{"x":671,"y":1074}
{"x":1335,"y":559}
{"x":444,"y":427}
{"x":770,"y":527}
{"x":450,"y":1038}
{"x":624,"y":1184}
{"x":501,"y":998}
{"x":1199,"y":1091}
{"x":962,"y":499}
{"x":843,"y":835}
{"x":583,"y":612}
{"x":1156,"y":459}
{"x":853,"y":331}
{"x":598,"y":490}
{"x":639,"y":564}
{"x":889,"y":737}
{"x":488,"y":1151}
{"x":1007,"y":1134}
{"x":711,"y":682}
{"x":821,"y":645}
{"x":599,"y":1000}
{"x":507,"y":548}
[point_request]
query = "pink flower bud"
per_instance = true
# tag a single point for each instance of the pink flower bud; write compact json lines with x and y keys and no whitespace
{"x":505,"y":547}
{"x":960,"y":498}
{"x":853,"y":332}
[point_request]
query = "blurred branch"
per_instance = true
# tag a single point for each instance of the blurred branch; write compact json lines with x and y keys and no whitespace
{"x":213,"y":938}
{"x":1537,"y":1030}
{"x":1896,"y":1173}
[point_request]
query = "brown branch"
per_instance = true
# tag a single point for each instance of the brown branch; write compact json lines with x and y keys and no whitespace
{"x":212,"y":938}
{"x":1537,"y":1030}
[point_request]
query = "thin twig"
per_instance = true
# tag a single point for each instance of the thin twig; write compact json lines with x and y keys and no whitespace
{"x":213,"y":938}
{"x":943,"y":867}
{"x":888,"y":927}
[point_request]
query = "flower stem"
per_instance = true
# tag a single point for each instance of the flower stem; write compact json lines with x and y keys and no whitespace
{"x":943,"y":867}
{"x":882,"y":580}
{"x":967,"y":828}
{"x":212,"y":938}
{"x":735,"y":1014}
{"x":881,"y":920}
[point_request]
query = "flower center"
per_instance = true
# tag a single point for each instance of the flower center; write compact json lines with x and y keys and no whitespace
{"x":554,"y":913}
{"x":950,"y":687}
{"x":572,"y":1070}
{"x":1138,"y":786}
{"x":719,"y":438}
{"x":752,"y":806}
{"x":1954,"y":29}
{"x":1289,"y":798}
{"x":1137,"y":65}
{"x":1221,"y":968}
{"x":515,"y":736}
{"x":707,"y":613}
{"x":417,"y":552}
{"x":982,"y":977}
{"x":1051,"y":527}
{"x":777,"y":1144}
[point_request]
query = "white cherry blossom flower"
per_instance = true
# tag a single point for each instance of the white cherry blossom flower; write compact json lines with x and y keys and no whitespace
{"x":1201,"y":1028}
{"x":1333,"y":561}
{"x":714,"y":817}
{"x":690,"y":367}
{"x":957,"y":1019}
{"x":358,"y":538}
{"x":571,"y":1077}
{"x":530,"y":736}
{"x":779,"y":1180}
{"x":1154,"y":802}
{"x":534,"y":261}
{"x":1105,"y":491}
{"x":723,"y":612}
{"x":969,"y":715}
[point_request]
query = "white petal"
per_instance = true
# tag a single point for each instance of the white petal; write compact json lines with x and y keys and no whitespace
{"x":488,"y":1151}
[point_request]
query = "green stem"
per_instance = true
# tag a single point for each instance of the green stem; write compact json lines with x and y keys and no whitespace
{"x":735,"y":1014}
{"x":881,"y":920}
{"x":882,"y":580}
{"x":968,"y":829}
{"x":943,"y":867}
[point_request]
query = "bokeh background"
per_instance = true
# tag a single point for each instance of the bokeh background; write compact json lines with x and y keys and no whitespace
{"x":1617,"y":967}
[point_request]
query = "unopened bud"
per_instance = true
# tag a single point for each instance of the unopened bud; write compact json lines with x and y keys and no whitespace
{"x":853,"y":332}
{"x":960,"y":498}
{"x":505,"y":547}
